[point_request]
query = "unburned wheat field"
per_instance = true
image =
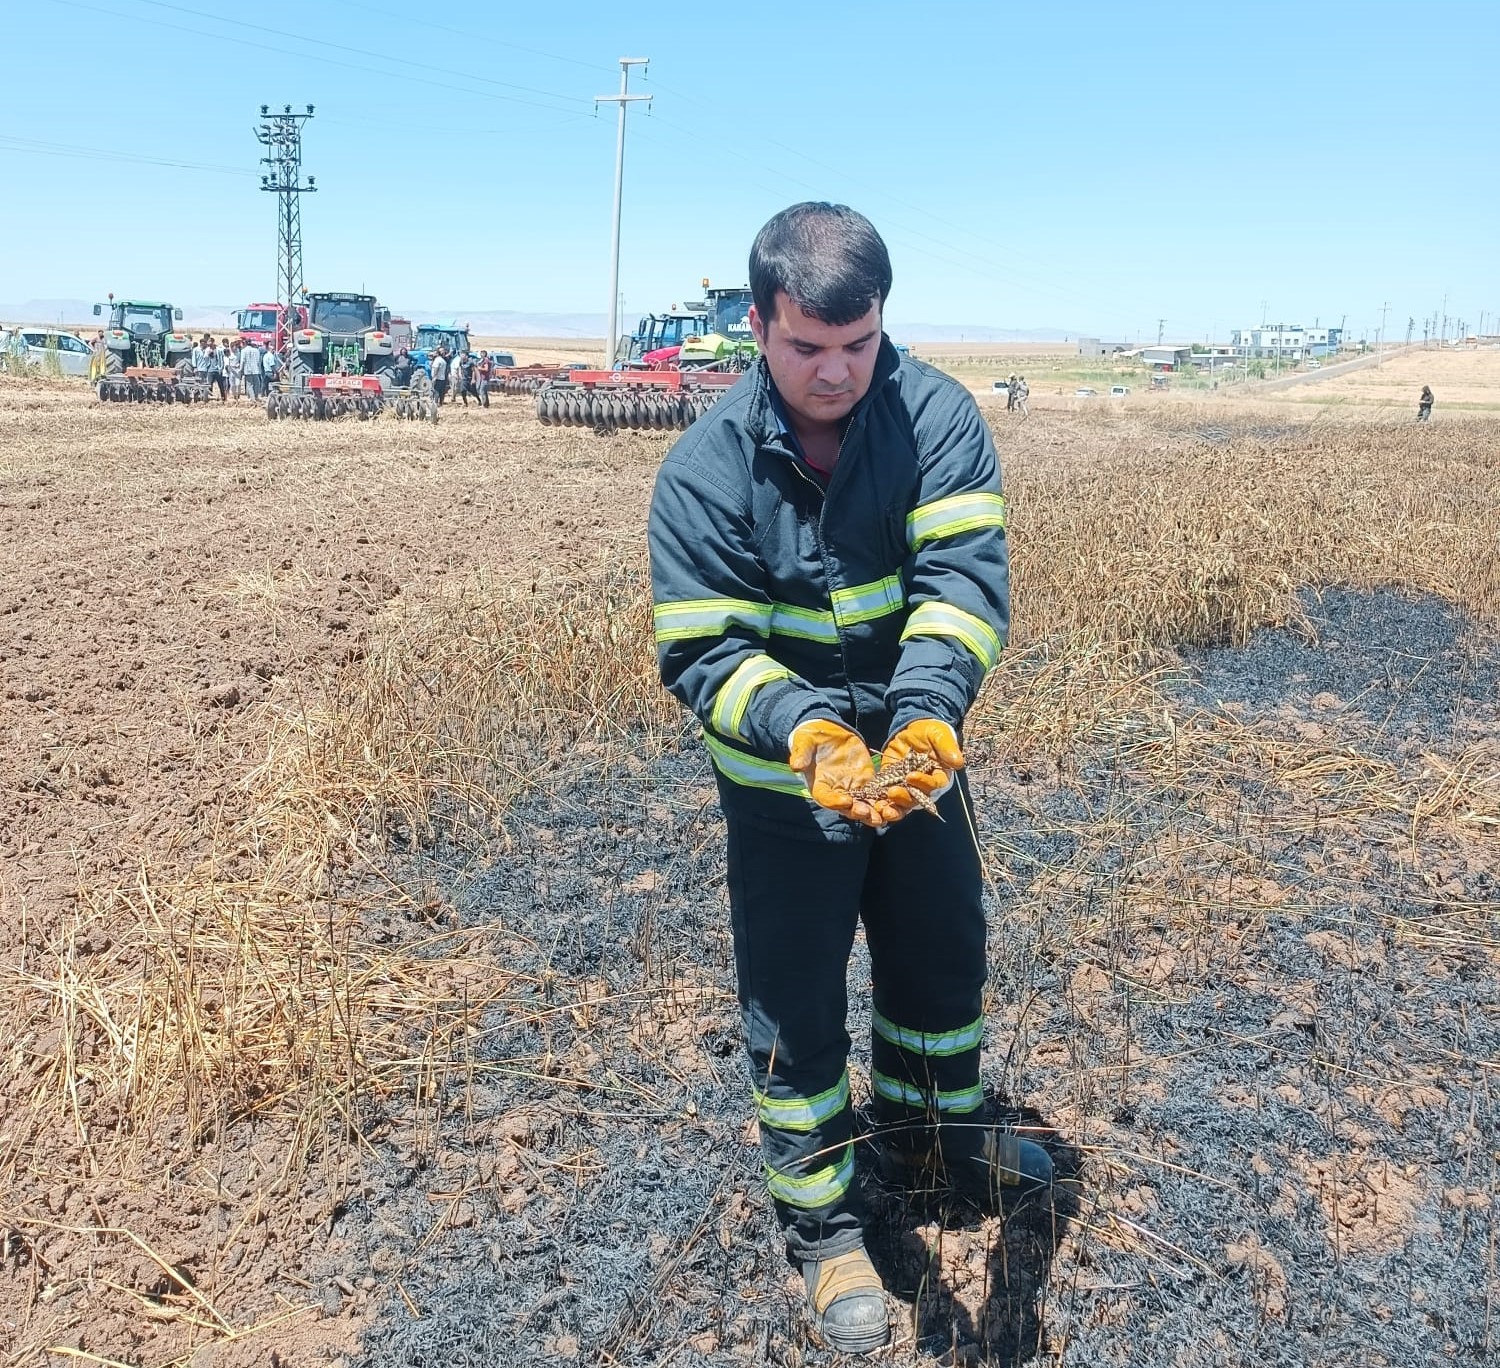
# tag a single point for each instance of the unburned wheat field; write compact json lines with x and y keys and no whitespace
{"x":365,"y":947}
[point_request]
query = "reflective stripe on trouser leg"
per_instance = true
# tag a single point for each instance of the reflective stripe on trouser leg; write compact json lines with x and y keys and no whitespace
{"x":924,"y":1078}
{"x":794,"y":905}
{"x":924,"y":922}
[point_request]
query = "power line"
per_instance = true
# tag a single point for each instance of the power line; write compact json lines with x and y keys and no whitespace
{"x":358,"y":52}
{"x":362,"y":7}
{"x":50,"y":149}
{"x":313,"y":57}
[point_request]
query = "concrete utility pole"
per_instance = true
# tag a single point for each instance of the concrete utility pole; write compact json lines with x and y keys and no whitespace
{"x":612,"y":342}
{"x":281,"y":136}
{"x":1161,"y":324}
{"x":1380,"y":336}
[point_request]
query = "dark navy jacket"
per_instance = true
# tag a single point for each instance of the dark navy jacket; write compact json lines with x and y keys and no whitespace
{"x":882,"y":599}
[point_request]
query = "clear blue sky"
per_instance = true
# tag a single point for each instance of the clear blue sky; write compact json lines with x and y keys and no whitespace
{"x":1089,"y":166}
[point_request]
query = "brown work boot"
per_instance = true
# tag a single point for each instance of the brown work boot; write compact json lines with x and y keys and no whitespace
{"x":848,"y":1302}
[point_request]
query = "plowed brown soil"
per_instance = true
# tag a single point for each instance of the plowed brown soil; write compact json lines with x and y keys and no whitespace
{"x":169,"y":576}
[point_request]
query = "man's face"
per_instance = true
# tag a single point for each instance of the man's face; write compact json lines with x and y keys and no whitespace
{"x":821,"y":370}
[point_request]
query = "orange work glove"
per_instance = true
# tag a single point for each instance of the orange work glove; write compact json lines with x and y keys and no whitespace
{"x":924,"y":737}
{"x":834,"y":761}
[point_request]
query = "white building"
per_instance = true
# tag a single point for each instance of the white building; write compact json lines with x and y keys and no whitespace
{"x":1290,"y":341}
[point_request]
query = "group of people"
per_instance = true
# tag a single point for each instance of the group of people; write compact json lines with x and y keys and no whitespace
{"x":238,"y":368}
{"x":466,"y":375}
{"x":1016,"y":394}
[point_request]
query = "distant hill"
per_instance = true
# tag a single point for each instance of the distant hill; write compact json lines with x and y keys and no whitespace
{"x":510,"y":323}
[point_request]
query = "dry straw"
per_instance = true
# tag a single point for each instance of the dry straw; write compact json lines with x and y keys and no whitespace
{"x":257,"y":982}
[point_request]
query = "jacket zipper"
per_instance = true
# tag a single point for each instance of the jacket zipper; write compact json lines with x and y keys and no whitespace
{"x":823,"y":557}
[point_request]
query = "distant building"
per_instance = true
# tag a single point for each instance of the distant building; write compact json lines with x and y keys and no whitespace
{"x":1290,"y":341}
{"x":1092,"y":346}
{"x":1164,"y":358}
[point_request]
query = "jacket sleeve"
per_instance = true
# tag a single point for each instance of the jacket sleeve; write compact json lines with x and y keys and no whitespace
{"x":712,"y":617}
{"x":958,"y":574}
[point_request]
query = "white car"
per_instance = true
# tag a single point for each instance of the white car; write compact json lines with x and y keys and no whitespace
{"x":1118,"y":391}
{"x":38,"y":347}
{"x":1084,"y":392}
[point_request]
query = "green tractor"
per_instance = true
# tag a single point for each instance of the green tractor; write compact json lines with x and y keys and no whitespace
{"x":146,"y":357}
{"x":727,"y":343}
{"x":344,"y":361}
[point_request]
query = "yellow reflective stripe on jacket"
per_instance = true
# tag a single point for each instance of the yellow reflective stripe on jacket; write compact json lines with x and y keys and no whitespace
{"x":943,"y":619}
{"x":708,"y":617}
{"x":818,"y":1189}
{"x":866,"y":602}
{"x":925,"y":1043}
{"x":713,"y":617}
{"x":951,"y":516}
{"x":733,"y":698}
{"x":802,"y":1113}
{"x":952,"y":1103}
{"x":811,"y":624}
{"x":751,"y":771}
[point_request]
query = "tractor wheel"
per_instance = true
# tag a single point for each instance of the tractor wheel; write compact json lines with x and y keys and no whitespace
{"x":114,"y":363}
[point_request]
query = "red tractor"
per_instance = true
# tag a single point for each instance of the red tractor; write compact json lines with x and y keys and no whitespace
{"x":265,"y":324}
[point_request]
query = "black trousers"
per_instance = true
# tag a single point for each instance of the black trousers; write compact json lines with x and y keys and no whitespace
{"x":795,"y":902}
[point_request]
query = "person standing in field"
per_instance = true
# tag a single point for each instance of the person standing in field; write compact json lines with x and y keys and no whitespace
{"x":1424,"y":404}
{"x":830,"y":584}
{"x":484,"y":370}
{"x":213,"y":367}
{"x":465,"y":375}
{"x":232,"y":374}
{"x":439,"y":369}
{"x":250,"y":368}
{"x":270,"y":365}
{"x":1010,"y":392}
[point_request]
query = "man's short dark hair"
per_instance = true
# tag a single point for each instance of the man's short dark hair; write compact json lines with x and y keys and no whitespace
{"x":826,"y":257}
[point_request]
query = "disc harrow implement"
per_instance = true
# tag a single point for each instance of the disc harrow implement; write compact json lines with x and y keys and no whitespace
{"x":358,"y":396}
{"x":152,"y":385}
{"x":524,"y":379}
{"x":606,"y":401}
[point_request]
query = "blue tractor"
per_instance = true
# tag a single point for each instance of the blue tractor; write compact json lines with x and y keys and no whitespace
{"x":431,"y":336}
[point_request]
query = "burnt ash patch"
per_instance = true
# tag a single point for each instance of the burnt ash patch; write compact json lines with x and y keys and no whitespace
{"x":1257,"y":1034}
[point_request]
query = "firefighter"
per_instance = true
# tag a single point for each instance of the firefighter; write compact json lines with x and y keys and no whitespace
{"x":830,"y":581}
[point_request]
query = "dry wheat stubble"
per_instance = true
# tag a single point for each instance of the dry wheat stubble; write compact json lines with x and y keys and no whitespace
{"x":250,"y":965}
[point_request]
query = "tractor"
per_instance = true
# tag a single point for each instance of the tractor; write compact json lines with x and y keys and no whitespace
{"x":658,"y":337}
{"x":146,"y":358}
{"x":265,"y":324}
{"x":431,"y":336}
{"x":727,"y":343}
{"x":661,"y":387}
{"x":344,"y":362}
